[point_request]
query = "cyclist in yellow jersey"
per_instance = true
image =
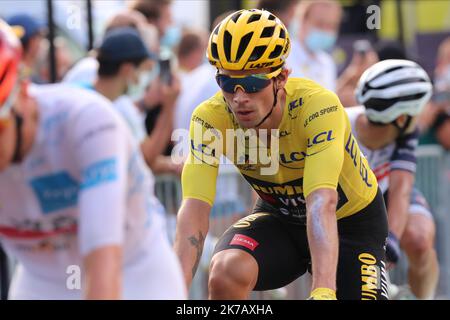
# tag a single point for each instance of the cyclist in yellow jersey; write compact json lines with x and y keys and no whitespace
{"x":319,"y":206}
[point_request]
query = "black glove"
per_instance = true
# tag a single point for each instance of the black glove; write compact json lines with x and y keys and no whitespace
{"x":392,"y":248}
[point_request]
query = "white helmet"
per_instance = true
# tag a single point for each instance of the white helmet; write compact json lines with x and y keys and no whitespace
{"x":392,"y":88}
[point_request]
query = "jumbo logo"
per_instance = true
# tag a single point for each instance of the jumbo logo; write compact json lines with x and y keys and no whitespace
{"x":293,"y":157}
{"x":373,"y":277}
{"x":320,"y":138}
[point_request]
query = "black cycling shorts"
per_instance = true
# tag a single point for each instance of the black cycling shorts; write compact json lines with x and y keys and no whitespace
{"x":282,"y":253}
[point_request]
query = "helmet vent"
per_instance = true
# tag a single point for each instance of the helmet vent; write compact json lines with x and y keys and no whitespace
{"x":399,"y":82}
{"x":282,"y":34}
{"x":271,"y":17}
{"x":214,"y":52}
{"x":387,"y":71}
{"x":257,"y":53}
{"x":253,"y":18}
{"x":267,"y":32}
{"x":227,"y":44}
{"x":276,"y":52}
{"x":236,"y":16}
{"x":243,"y":44}
{"x":381,"y":104}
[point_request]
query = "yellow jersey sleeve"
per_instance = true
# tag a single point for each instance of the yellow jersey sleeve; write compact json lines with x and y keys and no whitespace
{"x":324,"y":122}
{"x":205,"y":149}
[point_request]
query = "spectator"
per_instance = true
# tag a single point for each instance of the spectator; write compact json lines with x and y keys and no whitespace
{"x":319,"y":25}
{"x":86,"y":69}
{"x":364,"y":56}
{"x":63,"y":57}
{"x":31,"y":34}
{"x":191,"y":50}
{"x":435,"y":120}
{"x":85,"y":72}
{"x":157,"y":12}
{"x":283,"y":9}
{"x":124,"y":67}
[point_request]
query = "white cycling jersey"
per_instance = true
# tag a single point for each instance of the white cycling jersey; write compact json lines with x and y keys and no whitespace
{"x":398,"y":155}
{"x":83,"y":185}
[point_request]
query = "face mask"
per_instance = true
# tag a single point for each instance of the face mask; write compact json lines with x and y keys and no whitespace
{"x":136,"y":91}
{"x":318,"y":40}
{"x":171,"y":37}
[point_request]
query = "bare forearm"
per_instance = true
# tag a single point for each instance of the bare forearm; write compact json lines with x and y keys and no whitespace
{"x":323,"y":238}
{"x":163,"y":164}
{"x":103,"y":274}
{"x":398,"y":204}
{"x":192,"y":227}
{"x":155,"y":143}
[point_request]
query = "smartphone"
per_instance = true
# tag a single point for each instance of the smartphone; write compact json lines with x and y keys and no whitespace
{"x":362,"y":46}
{"x":165,"y":73}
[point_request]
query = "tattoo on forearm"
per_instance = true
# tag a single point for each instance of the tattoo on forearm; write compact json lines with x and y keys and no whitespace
{"x":198,"y":244}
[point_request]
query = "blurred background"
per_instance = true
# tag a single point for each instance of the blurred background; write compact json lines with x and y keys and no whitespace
{"x":367,"y":31}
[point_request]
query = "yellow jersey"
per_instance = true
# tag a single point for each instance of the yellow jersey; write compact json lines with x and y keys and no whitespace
{"x":315,"y":149}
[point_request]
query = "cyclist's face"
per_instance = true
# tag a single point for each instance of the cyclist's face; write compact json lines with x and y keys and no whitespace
{"x":249,"y":108}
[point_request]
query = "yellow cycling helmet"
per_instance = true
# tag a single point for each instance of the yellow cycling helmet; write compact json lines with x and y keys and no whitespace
{"x":249,"y":39}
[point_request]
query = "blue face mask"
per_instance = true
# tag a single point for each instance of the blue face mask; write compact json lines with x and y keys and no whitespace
{"x":171,"y":37}
{"x":319,"y":40}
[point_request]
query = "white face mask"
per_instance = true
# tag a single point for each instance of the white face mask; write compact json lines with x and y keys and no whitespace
{"x":137,"y":90}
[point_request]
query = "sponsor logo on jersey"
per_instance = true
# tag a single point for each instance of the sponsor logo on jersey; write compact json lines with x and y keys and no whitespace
{"x":294,"y":156}
{"x":293,"y":107}
{"x":55,"y":192}
{"x":373,"y":277}
{"x":318,"y":114}
{"x":351,"y":147}
{"x":39,"y":228}
{"x":288,"y":197}
{"x":320,"y":138}
{"x":298,"y":156}
{"x":99,"y":173}
{"x":242,"y":240}
{"x":247,"y":221}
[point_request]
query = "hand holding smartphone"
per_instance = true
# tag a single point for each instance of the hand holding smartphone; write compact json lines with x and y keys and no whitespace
{"x":362,"y":47}
{"x":165,"y":73}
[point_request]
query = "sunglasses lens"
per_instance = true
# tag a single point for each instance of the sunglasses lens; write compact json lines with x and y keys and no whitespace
{"x":249,"y":84}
